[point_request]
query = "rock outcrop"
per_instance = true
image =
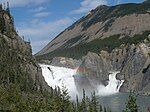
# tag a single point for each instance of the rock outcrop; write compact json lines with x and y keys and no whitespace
{"x":133,"y":62}
{"x":17,"y":65}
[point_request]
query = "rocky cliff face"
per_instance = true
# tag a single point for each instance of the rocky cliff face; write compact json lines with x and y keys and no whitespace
{"x":115,"y":38}
{"x":17,"y":65}
{"x":133,"y":62}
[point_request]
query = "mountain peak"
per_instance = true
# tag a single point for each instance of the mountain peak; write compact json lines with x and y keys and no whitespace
{"x":124,"y":20}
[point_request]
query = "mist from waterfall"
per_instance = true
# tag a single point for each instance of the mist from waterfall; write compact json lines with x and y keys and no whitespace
{"x":59,"y":76}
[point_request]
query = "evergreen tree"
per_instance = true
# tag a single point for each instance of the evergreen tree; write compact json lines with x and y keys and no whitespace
{"x":131,"y":105}
{"x":100,"y":108}
{"x":94,"y":102}
{"x":77,"y":104}
{"x":108,"y":110}
{"x":90,"y":107}
{"x":83,"y":103}
{"x":66,"y":104}
{"x":105,"y":110}
{"x":73,"y":107}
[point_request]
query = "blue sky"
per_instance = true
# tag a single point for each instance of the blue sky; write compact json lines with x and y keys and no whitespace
{"x":42,"y":20}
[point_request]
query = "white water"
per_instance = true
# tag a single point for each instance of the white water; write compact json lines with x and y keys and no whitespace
{"x":59,"y":76}
{"x":112,"y":87}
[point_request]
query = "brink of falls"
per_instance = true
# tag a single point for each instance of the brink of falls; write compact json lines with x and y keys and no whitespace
{"x":60,"y":76}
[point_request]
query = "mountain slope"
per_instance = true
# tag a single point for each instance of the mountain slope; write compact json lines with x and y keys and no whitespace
{"x":126,"y":20}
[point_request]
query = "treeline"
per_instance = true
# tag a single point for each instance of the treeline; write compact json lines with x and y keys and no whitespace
{"x":12,"y":99}
{"x":95,"y":46}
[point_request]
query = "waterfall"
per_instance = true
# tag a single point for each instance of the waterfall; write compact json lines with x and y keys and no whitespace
{"x":59,"y":76}
{"x":113,"y":85}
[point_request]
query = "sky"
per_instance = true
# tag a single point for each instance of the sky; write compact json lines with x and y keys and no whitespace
{"x":42,"y":20}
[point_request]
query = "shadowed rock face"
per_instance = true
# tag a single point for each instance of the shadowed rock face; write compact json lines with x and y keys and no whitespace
{"x":96,"y":68}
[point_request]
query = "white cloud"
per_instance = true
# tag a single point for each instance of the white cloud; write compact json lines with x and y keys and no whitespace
{"x":87,"y":5}
{"x":42,"y":14}
{"x":41,"y":32}
{"x":40,"y":43}
{"x":35,"y":21}
{"x":21,"y":3}
{"x":39,"y":9}
{"x":43,"y":28}
{"x":119,"y":2}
